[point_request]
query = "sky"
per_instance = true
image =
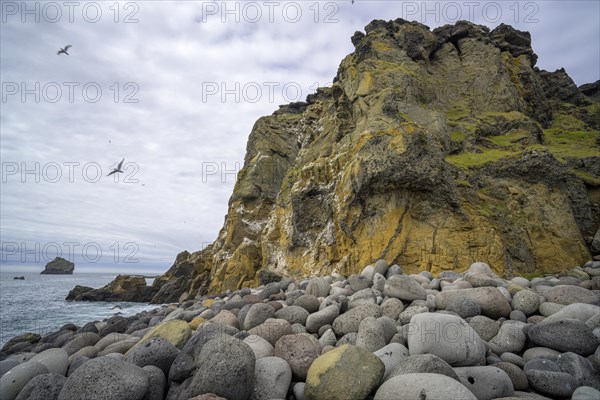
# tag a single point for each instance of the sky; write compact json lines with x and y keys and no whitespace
{"x":174,"y":88}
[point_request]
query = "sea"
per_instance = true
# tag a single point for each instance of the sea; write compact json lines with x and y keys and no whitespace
{"x":37,"y":303}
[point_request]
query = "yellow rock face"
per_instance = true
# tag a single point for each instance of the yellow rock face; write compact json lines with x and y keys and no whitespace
{"x":425,"y":152}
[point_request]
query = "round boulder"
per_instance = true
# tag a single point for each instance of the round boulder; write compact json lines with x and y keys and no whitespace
{"x":423,"y":386}
{"x":404,"y":287}
{"x":106,"y":378}
{"x":15,"y":380}
{"x":155,"y":351}
{"x":225,"y":367}
{"x":299,"y":351}
{"x":446,"y":336}
{"x":345,"y":373}
{"x":272,"y":378}
{"x":43,"y":387}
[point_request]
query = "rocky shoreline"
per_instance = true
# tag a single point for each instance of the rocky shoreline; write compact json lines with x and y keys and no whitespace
{"x":380,"y":334}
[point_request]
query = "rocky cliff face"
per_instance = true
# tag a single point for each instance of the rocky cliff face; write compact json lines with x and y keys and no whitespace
{"x":432,"y":150}
{"x":59,"y":266}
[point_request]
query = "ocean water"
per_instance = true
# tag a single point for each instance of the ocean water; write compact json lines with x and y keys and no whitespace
{"x":37,"y":304}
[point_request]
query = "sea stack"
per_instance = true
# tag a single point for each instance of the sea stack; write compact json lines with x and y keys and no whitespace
{"x":59,"y":266}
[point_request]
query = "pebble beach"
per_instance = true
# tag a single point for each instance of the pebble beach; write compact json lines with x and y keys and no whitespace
{"x":380,"y":334}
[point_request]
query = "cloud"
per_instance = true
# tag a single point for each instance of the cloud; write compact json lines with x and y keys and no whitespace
{"x":155,"y":108}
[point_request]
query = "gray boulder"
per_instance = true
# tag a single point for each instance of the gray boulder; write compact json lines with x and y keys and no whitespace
{"x":226,"y":368}
{"x":155,"y":351}
{"x":15,"y":380}
{"x":272,"y":378}
{"x":43,"y":387}
{"x":106,"y":378}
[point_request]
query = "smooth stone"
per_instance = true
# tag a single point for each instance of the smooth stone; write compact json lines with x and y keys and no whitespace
{"x":556,"y":384}
{"x":389,"y":328}
{"x":370,"y":335}
{"x":293,"y":314}
{"x":15,"y":380}
{"x":586,"y":393}
{"x":7,"y":365}
{"x":328,"y":338}
{"x":56,"y":360}
{"x":157,"y":383}
{"x":393,"y":270}
{"x":318,"y":287}
{"x":568,"y":294}
{"x":350,"y":320}
{"x":485,"y":327}
{"x":324,"y":317}
{"x":486,"y":382}
{"x":580,"y":311}
{"x":580,"y":368}
{"x":358,"y":282}
{"x":381,"y":267}
{"x":299,"y":351}
{"x":517,"y":280}
{"x":464,"y":307}
{"x":110,"y":339}
{"x":309,"y":302}
{"x":257,"y":314}
{"x":446,"y":336}
{"x":516,"y":375}
{"x":228,"y":318}
{"x":492,"y":302}
{"x":423,"y":363}
{"x":89,"y":352}
{"x":80,"y":341}
{"x":517,"y":315}
{"x":177,"y":332}
{"x":345,"y":373}
{"x":423,"y":386}
{"x":120,"y":347}
{"x":565,"y":335}
{"x":260,"y":347}
{"x":479,"y":267}
{"x":105,"y":378}
{"x":272,"y":378}
{"x":368,"y":272}
{"x":378,"y":282}
{"x":155,"y":351}
{"x":548,"y":308}
{"x":43,"y":387}
{"x":392,"y":307}
{"x":391,"y":355}
{"x":406,"y":315}
{"x":184,"y":365}
{"x":225,"y":367}
{"x":362,"y":297}
{"x":299,"y":391}
{"x":526,"y":301}
{"x":537,"y":352}
{"x":509,"y":339}
{"x":404,"y":288}
{"x":272,"y":329}
{"x":513,"y":359}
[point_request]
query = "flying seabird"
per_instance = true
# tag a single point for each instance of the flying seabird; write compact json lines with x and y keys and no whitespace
{"x":118,"y":169}
{"x":64,"y":50}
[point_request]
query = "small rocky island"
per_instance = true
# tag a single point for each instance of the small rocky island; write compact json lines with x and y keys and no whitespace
{"x":59,"y":266}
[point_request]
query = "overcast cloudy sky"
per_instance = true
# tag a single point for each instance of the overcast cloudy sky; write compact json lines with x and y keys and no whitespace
{"x":174,"y":88}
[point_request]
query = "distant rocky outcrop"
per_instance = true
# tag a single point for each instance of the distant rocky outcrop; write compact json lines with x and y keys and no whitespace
{"x":122,"y":288}
{"x":59,"y":266}
{"x":432,"y":149}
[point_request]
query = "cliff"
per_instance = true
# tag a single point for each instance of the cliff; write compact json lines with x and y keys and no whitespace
{"x":432,"y":150}
{"x":59,"y":266}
